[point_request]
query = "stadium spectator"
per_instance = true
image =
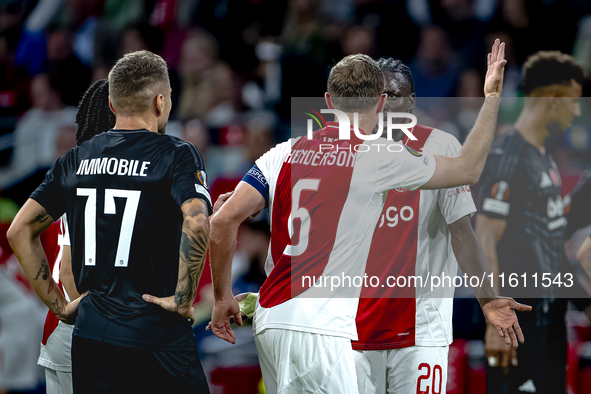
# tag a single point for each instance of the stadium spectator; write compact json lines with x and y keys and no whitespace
{"x":435,"y":68}
{"x":207,"y":83}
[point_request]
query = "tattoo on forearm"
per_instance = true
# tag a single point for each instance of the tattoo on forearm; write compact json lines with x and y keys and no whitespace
{"x":192,"y":259}
{"x":55,"y":307}
{"x":42,"y":218}
{"x":51,"y":286}
{"x":43,"y":270}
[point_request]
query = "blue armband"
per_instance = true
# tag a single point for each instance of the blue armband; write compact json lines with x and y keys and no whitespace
{"x":255,"y":178}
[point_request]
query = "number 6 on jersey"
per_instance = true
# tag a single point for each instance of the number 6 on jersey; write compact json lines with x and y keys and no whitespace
{"x":301,"y":213}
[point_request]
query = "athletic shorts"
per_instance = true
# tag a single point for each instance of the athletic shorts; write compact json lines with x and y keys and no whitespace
{"x":296,"y":362}
{"x":58,"y":382}
{"x":99,"y":368}
{"x":21,"y":328}
{"x":415,"y":369}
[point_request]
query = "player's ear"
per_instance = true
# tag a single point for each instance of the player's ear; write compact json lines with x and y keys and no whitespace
{"x":411,"y":102}
{"x":159,"y":105}
{"x":328,"y":100}
{"x":382,"y":103}
{"x":111,"y":106}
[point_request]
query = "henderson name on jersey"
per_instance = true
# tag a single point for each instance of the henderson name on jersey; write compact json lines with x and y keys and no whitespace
{"x":323,"y":214}
{"x":122,"y":192}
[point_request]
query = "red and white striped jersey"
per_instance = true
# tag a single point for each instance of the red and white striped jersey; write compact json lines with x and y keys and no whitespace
{"x":413,"y":239}
{"x":325,"y":198}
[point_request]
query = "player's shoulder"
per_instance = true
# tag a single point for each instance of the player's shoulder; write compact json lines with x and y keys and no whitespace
{"x":508,"y":145}
{"x":282,"y":149}
{"x":505,"y":156}
{"x":442,"y":143}
{"x":179,"y":146}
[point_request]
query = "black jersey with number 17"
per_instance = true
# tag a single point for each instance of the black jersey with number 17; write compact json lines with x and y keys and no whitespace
{"x":122,"y":192}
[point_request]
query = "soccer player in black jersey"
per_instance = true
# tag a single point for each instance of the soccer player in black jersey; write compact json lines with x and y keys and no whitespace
{"x":138,"y":210}
{"x":521,"y":223}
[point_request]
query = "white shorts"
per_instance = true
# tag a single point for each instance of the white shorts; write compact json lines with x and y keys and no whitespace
{"x":58,"y":382}
{"x":414,"y":369}
{"x":300,"y":362}
{"x":21,"y":328}
{"x":57,"y":354}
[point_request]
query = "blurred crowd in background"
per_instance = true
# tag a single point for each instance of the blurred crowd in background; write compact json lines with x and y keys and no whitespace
{"x":235,"y":66}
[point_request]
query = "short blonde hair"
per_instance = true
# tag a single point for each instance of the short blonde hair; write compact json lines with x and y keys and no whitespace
{"x":355,"y":83}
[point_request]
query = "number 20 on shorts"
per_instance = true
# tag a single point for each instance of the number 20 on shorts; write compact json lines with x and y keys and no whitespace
{"x":431,"y":382}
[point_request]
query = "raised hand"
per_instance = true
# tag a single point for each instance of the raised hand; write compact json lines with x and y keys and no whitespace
{"x":493,"y":82}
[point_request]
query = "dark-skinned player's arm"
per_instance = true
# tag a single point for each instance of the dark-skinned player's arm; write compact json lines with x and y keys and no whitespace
{"x":499,"y":311}
{"x":192,"y":254}
{"x":66,"y":274}
{"x":245,"y":202}
{"x":489,"y":232}
{"x":23,"y":235}
{"x":465,"y":169}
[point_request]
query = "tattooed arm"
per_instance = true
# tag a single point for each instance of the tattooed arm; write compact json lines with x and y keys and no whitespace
{"x":193,"y":250}
{"x":23,"y":235}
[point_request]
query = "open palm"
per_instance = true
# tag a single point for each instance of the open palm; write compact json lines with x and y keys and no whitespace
{"x":493,"y":83}
{"x":500,"y":313}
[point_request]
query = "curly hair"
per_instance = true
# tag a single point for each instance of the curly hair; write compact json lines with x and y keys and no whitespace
{"x":94,"y":115}
{"x":397,"y":67}
{"x":545,"y":68}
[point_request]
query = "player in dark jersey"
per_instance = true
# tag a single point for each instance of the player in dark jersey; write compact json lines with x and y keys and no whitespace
{"x":520,"y":225}
{"x":132,"y":195}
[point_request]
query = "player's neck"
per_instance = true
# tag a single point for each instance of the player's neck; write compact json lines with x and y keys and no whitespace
{"x":123,"y":122}
{"x":532,"y":130}
{"x":365,"y":122}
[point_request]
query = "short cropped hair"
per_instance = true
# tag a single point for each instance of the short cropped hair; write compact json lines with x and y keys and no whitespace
{"x":395,"y":66}
{"x":133,"y":79}
{"x":355,"y":83}
{"x":545,"y":68}
{"x":94,"y":115}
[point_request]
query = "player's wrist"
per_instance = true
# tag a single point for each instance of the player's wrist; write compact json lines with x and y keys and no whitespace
{"x":485,"y":300}
{"x":223,"y":296}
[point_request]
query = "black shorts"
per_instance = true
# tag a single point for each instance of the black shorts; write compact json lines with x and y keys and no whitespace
{"x":541,"y":359}
{"x":99,"y":367}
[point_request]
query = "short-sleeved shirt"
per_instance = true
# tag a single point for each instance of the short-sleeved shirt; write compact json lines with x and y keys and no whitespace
{"x":412,"y":239}
{"x":325,"y":196}
{"x":522,"y":186}
{"x":122,"y":192}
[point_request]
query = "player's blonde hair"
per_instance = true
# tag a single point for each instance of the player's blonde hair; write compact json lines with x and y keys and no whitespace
{"x":355,"y":84}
